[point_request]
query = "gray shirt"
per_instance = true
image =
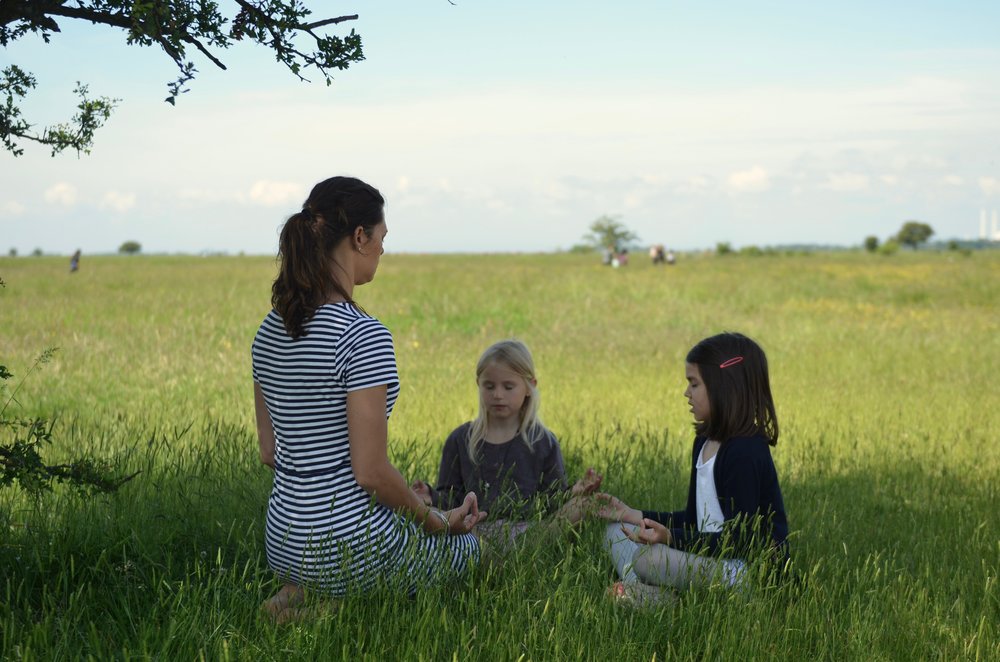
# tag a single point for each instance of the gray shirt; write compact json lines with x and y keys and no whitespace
{"x":511,"y":480}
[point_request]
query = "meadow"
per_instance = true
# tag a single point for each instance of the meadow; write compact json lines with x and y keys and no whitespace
{"x":884,"y":371}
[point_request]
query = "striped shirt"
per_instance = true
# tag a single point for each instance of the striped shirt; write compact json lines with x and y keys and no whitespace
{"x":323,"y":529}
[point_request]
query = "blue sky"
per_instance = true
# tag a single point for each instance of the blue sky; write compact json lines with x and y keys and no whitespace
{"x":510,"y":126}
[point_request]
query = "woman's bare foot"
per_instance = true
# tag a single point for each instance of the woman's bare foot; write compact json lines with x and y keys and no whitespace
{"x":289,"y":596}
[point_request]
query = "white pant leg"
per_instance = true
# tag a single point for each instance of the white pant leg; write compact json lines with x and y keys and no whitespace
{"x":666,"y":566}
{"x":621,"y":549}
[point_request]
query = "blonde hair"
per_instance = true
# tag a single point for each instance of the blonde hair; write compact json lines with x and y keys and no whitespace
{"x":514,"y":355}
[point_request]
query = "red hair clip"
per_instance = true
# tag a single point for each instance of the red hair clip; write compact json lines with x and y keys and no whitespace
{"x":731,"y":362}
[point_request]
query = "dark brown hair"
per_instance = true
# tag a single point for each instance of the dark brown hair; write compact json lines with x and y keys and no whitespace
{"x":334,"y":209}
{"x":739,"y":394}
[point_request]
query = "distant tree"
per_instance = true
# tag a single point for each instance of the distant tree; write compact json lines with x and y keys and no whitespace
{"x":723,"y":248}
{"x":890,"y":247}
{"x":751,"y":250}
{"x":607,"y":231}
{"x":12,"y":252}
{"x":175,"y":26}
{"x":914,"y":233}
{"x":130,"y":248}
{"x":871,"y":243}
{"x":37,"y":252}
{"x":953,"y":245}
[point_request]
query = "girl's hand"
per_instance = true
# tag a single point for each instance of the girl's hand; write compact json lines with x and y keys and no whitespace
{"x":612,"y":508}
{"x":650,"y":532}
{"x":422,"y":490}
{"x":588,"y":484}
{"x":464,"y":518}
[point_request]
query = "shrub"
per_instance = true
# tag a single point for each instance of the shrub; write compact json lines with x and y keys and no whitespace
{"x":890,"y":247}
{"x":21,"y":462}
{"x":130,"y":248}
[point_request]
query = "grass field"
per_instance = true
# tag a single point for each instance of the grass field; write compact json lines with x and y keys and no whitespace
{"x":885,"y":373}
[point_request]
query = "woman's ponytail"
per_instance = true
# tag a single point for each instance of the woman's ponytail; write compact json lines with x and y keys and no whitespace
{"x":305,"y":281}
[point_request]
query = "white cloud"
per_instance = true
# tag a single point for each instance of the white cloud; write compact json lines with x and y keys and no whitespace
{"x":272,"y":194}
{"x":989,"y":185}
{"x":890,"y":180}
{"x":61,"y":194}
{"x":118,"y":201}
{"x":953,"y":180}
{"x":754,"y":180}
{"x":693,"y":185}
{"x":632,"y":201}
{"x":846,"y":181}
{"x":402,"y":184}
{"x":11,"y":208}
{"x":211,"y":196}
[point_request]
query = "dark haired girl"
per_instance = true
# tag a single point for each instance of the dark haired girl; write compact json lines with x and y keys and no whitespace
{"x":340,"y":517}
{"x":734,"y":512}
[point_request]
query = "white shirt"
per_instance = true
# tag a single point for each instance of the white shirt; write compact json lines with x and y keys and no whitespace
{"x":706,"y":499}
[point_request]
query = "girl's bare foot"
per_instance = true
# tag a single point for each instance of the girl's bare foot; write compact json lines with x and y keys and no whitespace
{"x":637,"y":594}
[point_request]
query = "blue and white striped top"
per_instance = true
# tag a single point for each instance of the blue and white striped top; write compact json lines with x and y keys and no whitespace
{"x":323,"y":529}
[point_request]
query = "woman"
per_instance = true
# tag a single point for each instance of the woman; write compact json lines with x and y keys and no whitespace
{"x":340,"y":516}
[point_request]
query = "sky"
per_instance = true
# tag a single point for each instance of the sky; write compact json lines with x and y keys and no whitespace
{"x":511,"y":126}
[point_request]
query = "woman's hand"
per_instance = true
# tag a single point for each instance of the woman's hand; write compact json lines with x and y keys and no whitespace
{"x":649,"y":532}
{"x":612,"y":508}
{"x":422,"y":490}
{"x":464,"y":518}
{"x":588,"y":484}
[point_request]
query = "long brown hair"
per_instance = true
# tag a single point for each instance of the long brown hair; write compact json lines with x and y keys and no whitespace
{"x":734,"y":371}
{"x":334,"y":209}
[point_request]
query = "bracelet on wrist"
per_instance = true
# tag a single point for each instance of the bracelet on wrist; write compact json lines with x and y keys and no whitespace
{"x":446,"y":526}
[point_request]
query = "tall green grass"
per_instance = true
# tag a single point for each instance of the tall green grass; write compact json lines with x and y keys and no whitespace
{"x":884,"y":372}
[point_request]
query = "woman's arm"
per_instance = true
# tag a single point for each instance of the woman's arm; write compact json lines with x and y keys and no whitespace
{"x":367,"y":432}
{"x":265,"y":431}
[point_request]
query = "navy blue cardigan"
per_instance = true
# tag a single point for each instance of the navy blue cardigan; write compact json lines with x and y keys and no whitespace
{"x":747,"y":484}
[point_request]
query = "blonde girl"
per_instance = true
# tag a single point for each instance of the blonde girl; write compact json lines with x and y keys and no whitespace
{"x":506,"y":456}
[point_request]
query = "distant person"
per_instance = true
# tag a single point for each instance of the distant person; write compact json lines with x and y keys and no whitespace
{"x":340,"y":517}
{"x":622,"y":258}
{"x":506,"y":456}
{"x":74,"y":262}
{"x":671,"y":258}
{"x":656,"y":254}
{"x":607,"y":256}
{"x":735,"y":514}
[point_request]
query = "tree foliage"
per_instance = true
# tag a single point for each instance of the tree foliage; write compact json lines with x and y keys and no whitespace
{"x":130,"y":247}
{"x":176,"y":26}
{"x":20,"y":458}
{"x":608,"y":231}
{"x":871,"y":243}
{"x":914,"y":233}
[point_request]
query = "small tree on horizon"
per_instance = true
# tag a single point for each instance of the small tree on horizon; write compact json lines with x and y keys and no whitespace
{"x":871,"y":243}
{"x":914,"y":233}
{"x":130,"y":248}
{"x":606,"y":231}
